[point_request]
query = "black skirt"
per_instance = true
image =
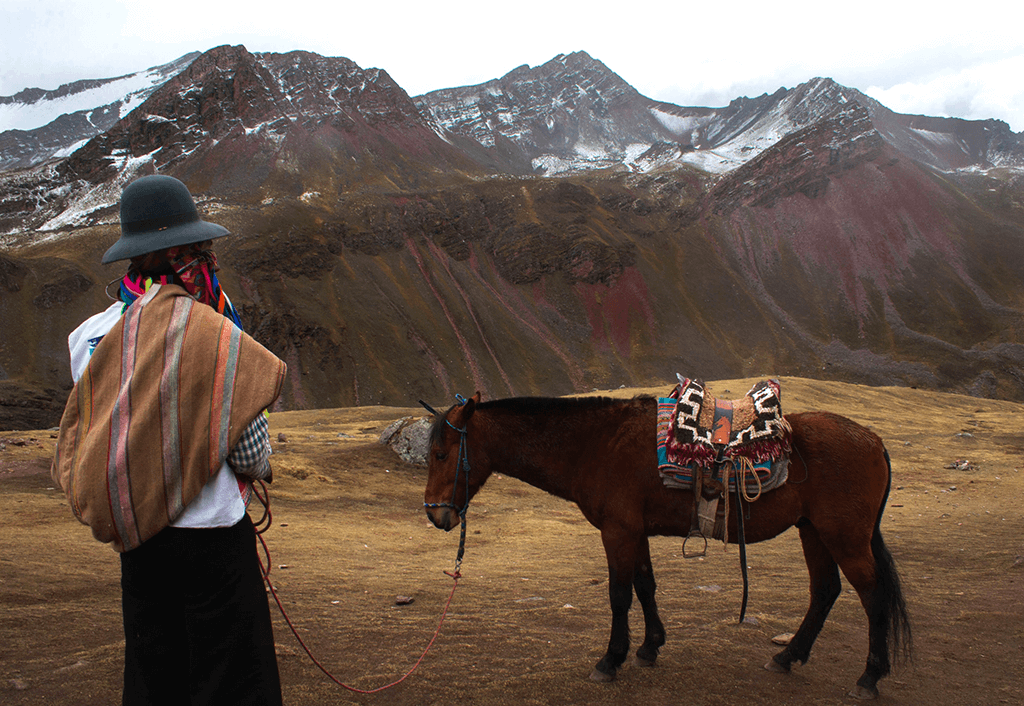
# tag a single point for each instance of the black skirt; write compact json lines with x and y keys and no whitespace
{"x":197,"y":620}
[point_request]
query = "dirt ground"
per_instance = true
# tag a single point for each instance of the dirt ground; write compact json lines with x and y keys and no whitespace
{"x":530,"y":616}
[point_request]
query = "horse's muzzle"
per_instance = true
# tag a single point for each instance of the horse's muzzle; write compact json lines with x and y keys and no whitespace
{"x":443,"y":517}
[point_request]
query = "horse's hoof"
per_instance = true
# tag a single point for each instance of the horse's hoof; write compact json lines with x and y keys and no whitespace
{"x":773,"y":666}
{"x":644,"y":662}
{"x":601,"y":677}
{"x":863,"y":693}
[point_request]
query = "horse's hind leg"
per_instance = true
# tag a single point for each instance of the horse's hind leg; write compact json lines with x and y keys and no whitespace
{"x":825,"y":589}
{"x":877,"y":584}
{"x":654,"y":630}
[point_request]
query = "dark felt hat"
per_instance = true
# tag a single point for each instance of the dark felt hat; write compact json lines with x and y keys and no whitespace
{"x":158,"y":212}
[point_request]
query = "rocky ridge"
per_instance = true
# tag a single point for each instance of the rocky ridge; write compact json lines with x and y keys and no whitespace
{"x":245,"y":125}
{"x":568,"y":114}
{"x":574,"y":114}
{"x":388,"y":257}
{"x":801,"y":162}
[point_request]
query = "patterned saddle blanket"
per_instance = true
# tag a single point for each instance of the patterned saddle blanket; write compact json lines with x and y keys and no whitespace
{"x":699,"y":433}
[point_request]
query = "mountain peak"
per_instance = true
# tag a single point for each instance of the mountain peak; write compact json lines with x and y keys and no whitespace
{"x":801,"y":162}
{"x":569,"y":114}
{"x":253,"y":126}
{"x":576,"y":58}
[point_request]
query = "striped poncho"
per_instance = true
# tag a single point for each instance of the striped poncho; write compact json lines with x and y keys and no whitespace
{"x":166,"y":395}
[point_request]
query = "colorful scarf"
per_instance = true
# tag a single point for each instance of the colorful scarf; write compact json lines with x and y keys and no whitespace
{"x":195,"y":269}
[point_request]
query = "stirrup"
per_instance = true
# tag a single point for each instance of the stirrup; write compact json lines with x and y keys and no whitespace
{"x":702,"y":552}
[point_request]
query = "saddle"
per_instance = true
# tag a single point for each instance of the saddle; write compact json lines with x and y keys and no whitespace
{"x":718,"y":446}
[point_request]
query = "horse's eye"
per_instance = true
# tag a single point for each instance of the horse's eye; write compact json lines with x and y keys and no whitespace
{"x":440,"y":455}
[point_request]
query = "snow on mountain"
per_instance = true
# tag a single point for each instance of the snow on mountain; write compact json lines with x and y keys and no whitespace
{"x":572,"y":113}
{"x":129,"y":91}
{"x":575,"y":114}
{"x":37,"y":124}
{"x":96,"y":197}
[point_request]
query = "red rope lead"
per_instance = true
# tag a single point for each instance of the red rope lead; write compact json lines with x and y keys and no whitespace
{"x":456,"y":575}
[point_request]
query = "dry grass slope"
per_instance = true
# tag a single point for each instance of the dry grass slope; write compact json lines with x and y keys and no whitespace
{"x":530,"y":617}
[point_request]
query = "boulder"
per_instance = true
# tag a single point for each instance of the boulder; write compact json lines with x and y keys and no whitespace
{"x":409,"y":437}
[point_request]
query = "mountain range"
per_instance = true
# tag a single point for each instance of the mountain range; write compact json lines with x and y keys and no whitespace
{"x":547,"y":232}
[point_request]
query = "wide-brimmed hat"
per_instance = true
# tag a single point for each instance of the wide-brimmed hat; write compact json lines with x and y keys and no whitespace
{"x":158,"y":212}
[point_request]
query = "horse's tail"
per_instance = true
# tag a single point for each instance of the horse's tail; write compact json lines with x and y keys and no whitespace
{"x":888,"y":589}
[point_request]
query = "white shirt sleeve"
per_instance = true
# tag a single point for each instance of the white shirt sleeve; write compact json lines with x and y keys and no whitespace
{"x":82,"y":341}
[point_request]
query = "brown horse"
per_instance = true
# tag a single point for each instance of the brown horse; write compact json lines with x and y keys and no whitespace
{"x":600,"y":453}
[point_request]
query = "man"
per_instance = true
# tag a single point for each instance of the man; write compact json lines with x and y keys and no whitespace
{"x":161,"y":438}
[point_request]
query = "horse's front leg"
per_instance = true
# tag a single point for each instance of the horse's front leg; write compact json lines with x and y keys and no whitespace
{"x":621,"y":550}
{"x":643,"y":583}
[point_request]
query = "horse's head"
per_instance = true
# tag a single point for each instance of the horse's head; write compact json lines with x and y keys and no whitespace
{"x":450,"y":483}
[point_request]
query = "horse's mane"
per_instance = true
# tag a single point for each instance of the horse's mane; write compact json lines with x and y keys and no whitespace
{"x":549,"y":405}
{"x":537,"y":406}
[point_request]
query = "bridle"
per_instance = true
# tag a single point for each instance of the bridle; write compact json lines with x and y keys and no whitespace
{"x":461,"y":468}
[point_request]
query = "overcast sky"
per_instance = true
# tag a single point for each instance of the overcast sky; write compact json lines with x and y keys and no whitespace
{"x":936,"y":59}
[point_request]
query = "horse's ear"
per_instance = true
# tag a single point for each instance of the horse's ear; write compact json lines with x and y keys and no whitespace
{"x":464,"y":411}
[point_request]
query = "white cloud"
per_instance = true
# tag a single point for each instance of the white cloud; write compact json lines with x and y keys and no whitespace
{"x":992,"y":89}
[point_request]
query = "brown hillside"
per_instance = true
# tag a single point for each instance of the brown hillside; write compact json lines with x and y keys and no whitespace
{"x":886,"y":275}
